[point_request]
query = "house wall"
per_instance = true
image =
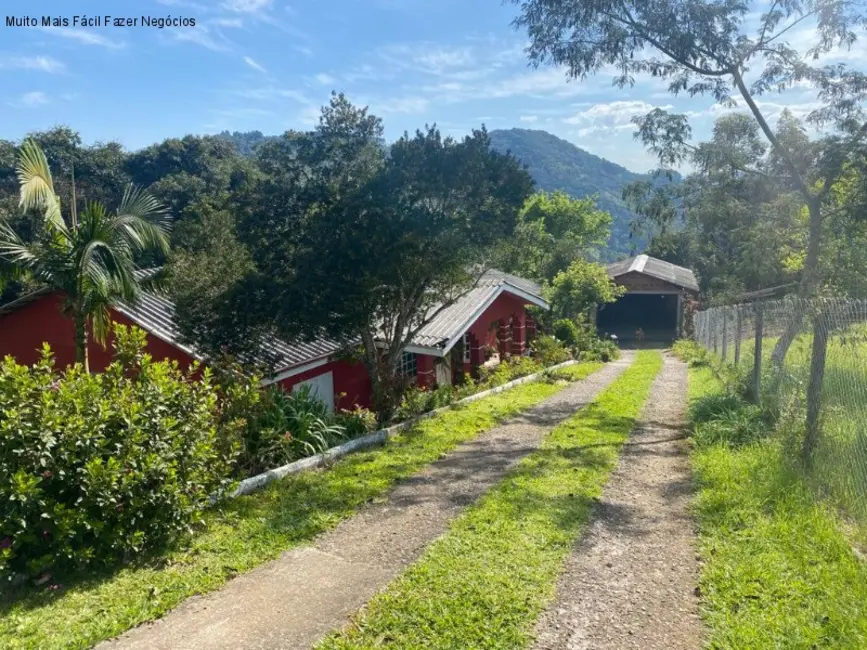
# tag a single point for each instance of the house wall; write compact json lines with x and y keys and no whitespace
{"x":23,"y":332}
{"x":351,"y":382}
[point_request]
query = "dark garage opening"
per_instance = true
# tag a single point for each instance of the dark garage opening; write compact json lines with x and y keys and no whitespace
{"x":655,"y":314}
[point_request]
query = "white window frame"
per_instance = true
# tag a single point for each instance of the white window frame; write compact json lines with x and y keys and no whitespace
{"x":467,"y":357}
{"x":408,"y":366}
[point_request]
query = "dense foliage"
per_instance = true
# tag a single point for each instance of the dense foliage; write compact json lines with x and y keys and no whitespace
{"x":98,"y":468}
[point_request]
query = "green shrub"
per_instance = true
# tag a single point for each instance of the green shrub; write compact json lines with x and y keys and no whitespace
{"x":357,"y":422}
{"x":287,"y":427}
{"x":97,"y":468}
{"x":549,"y":351}
{"x":726,"y":419}
{"x":566,"y":330}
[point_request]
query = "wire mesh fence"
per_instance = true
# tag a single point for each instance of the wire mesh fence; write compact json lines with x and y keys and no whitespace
{"x":806,"y":362}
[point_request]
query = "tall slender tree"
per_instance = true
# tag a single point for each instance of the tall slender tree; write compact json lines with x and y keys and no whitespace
{"x":89,"y":257}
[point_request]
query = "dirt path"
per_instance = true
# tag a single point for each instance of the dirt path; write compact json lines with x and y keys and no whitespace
{"x":297,"y":599}
{"x":629,"y":583}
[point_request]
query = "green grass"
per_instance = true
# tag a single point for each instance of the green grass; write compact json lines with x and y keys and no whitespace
{"x":778,"y":570}
{"x":251,"y":530}
{"x":483,"y":584}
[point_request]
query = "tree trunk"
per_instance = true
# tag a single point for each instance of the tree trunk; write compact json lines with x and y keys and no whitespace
{"x":814,"y":388}
{"x":81,"y":340}
{"x":809,"y":282}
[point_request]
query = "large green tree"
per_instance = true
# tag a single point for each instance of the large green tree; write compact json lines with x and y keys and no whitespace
{"x":364,"y":244}
{"x":88,"y":256}
{"x":553,"y":231}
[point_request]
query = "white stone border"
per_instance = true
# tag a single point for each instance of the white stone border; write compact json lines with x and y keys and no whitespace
{"x":254,"y":483}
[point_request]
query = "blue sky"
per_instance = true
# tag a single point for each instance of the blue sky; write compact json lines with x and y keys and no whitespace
{"x":269,"y":65}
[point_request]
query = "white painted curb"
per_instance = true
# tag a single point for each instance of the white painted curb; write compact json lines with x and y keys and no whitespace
{"x":370,"y":440}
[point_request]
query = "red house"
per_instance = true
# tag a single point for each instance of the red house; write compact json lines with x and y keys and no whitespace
{"x":492,"y":314}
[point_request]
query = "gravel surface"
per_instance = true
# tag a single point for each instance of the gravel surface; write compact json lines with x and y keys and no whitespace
{"x":630,"y":581}
{"x":297,"y":599}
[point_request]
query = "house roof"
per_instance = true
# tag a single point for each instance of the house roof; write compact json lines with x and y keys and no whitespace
{"x":155,"y":313}
{"x":655,"y":268}
{"x":448,"y":326}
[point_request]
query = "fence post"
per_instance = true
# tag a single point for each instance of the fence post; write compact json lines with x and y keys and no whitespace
{"x":739,"y":332}
{"x":715,"y":330}
{"x":821,"y":325}
{"x":757,"y":356}
{"x":725,"y":333}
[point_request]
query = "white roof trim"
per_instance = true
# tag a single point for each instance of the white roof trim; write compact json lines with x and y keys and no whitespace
{"x":297,"y":370}
{"x":503,"y":288}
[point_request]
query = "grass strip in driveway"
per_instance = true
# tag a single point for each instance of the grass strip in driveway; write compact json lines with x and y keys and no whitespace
{"x":249,"y":531}
{"x":779,"y":571}
{"x":483,"y":583}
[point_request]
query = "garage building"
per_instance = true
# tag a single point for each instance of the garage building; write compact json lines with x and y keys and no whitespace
{"x":653,"y":306}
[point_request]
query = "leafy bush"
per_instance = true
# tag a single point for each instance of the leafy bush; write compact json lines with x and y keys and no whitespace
{"x":566,"y":330}
{"x":357,"y":422}
{"x":549,"y":351}
{"x":417,"y":401}
{"x":288,"y":426}
{"x":726,"y":419}
{"x":97,"y":468}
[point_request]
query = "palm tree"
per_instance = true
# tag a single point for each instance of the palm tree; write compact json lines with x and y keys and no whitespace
{"x":91,"y":259}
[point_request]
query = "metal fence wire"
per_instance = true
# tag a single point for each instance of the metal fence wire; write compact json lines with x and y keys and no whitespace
{"x":775,"y":349}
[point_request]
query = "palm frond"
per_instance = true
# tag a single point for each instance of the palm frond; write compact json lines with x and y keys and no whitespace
{"x":14,"y":251}
{"x":37,"y":185}
{"x":144,"y":221}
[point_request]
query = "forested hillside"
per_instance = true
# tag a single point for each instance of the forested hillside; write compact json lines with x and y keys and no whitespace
{"x":556,"y":164}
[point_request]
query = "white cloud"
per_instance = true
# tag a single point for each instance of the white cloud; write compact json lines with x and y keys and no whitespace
{"x":253,"y":64}
{"x":404,"y":105}
{"x":325,"y":79}
{"x":203,"y":37}
{"x":31,"y":100}
{"x":85,"y":37}
{"x":529,"y":118}
{"x":39,"y":63}
{"x":272,"y":93}
{"x":247,"y":6}
{"x":229,"y":22}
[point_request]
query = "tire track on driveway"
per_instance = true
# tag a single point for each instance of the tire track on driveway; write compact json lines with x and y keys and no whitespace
{"x":297,"y":599}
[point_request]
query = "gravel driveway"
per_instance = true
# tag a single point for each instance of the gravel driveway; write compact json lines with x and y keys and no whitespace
{"x":630,"y":581}
{"x":295,"y":600}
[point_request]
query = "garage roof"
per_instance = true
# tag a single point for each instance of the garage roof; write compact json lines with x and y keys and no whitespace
{"x":655,"y":268}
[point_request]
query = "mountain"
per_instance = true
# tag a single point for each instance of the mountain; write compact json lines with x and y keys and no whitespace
{"x":556,"y":164}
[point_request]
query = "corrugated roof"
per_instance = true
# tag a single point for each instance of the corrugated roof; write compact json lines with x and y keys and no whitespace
{"x":457,"y":318}
{"x":156,"y":314}
{"x":655,"y":268}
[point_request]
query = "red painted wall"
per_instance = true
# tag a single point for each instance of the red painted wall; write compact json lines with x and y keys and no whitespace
{"x":350,"y":379}
{"x":503,"y":307}
{"x":23,"y":331}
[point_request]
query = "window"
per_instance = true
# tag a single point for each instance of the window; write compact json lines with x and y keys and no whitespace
{"x":408,"y":365}
{"x":467,"y":347}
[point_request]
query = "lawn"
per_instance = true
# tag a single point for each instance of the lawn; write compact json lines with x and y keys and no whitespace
{"x":484,"y":583}
{"x":778,"y":569}
{"x":245,"y":532}
{"x":840,"y":463}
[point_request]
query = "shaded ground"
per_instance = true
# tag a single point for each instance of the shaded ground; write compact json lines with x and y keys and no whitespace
{"x":630,"y":581}
{"x":297,"y":599}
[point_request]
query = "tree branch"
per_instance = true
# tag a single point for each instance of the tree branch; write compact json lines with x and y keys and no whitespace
{"x":763,"y":123}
